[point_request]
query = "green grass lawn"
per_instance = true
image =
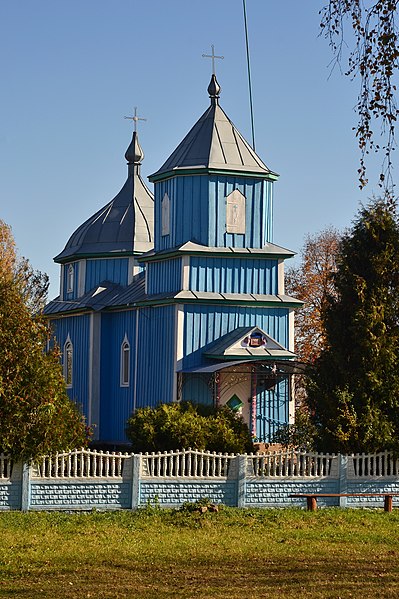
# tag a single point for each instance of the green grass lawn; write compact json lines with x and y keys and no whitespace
{"x":281,"y":553}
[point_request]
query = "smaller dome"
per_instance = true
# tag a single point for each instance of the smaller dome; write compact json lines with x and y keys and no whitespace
{"x":134,"y":154}
{"x":214,"y":88}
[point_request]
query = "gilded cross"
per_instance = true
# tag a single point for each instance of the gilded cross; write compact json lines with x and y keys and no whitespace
{"x":213,"y":56}
{"x":135,"y":118}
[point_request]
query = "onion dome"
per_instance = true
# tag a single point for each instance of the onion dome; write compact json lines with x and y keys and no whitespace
{"x":124,"y":226}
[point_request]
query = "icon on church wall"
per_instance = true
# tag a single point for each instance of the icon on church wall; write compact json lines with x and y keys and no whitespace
{"x":235,"y":213}
{"x":256,"y":339}
{"x":165,"y":215}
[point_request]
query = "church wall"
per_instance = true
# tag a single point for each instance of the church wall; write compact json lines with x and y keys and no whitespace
{"x":198,"y":211}
{"x":78,"y":329}
{"x":233,"y":275}
{"x":116,"y":400}
{"x":164,"y":276}
{"x":188,"y":198}
{"x":156,"y":378}
{"x":196,"y":389}
{"x":258,"y":212}
{"x":106,"y":269}
{"x":207,"y":323}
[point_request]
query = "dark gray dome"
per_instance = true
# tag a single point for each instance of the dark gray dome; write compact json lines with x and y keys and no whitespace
{"x":123,"y":226}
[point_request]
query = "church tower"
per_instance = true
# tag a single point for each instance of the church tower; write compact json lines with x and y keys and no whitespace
{"x":218,"y":328}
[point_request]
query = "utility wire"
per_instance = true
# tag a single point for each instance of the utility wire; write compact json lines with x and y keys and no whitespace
{"x":249,"y":75}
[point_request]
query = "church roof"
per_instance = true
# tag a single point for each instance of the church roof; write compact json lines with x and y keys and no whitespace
{"x":213,"y":143}
{"x":123,"y":226}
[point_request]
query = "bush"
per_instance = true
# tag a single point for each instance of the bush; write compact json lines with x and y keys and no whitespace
{"x":184,"y":425}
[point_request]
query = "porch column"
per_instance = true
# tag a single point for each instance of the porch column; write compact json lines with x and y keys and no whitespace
{"x":254,"y":378}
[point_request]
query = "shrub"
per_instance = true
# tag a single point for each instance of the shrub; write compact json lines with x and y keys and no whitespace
{"x":183,"y":425}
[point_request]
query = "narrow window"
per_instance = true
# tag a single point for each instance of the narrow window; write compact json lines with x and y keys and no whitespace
{"x":125,"y":363}
{"x":70,"y":278}
{"x":68,"y":362}
{"x":165,"y":210}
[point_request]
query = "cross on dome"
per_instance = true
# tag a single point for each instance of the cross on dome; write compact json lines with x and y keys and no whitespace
{"x":135,"y":118}
{"x":213,"y":56}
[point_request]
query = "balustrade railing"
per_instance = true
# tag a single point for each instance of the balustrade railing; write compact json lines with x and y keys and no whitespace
{"x":374,"y":465}
{"x":293,"y":464}
{"x":5,"y":466}
{"x":189,"y":463}
{"x":82,"y":463}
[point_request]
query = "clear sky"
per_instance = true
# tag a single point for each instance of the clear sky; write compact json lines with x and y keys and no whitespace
{"x":70,"y":71}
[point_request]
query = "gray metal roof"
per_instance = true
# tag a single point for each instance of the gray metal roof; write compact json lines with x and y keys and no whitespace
{"x":104,"y":295}
{"x":124,"y":225}
{"x":229,"y":346}
{"x":214,"y":143}
{"x":190,"y":247}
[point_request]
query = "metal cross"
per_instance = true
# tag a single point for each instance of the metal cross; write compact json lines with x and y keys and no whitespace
{"x":213,"y":56}
{"x":135,"y":118}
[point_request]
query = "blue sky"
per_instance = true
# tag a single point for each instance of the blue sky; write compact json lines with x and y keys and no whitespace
{"x":71,"y":71}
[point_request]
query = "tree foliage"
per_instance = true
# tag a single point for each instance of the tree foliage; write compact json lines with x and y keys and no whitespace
{"x":312,"y":282}
{"x":375,"y":59}
{"x":184,"y":425}
{"x":354,"y":385}
{"x":36,"y":415}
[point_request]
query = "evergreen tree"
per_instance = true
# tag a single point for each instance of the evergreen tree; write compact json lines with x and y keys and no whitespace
{"x":354,"y":386}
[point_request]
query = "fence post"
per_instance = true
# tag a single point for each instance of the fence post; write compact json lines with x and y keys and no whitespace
{"x":343,"y":478}
{"x":136,"y":475}
{"x":241,"y":479}
{"x":25,"y":487}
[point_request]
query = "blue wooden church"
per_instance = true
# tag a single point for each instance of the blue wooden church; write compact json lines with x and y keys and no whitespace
{"x":180,"y":295}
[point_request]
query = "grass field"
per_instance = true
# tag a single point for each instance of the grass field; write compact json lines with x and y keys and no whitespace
{"x":234,"y":554}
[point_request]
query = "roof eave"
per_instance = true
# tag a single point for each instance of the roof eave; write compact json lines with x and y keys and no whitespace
{"x":203,"y":170}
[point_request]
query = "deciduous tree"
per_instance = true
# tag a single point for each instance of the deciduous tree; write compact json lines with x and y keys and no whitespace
{"x":374,"y":58}
{"x":36,"y":415}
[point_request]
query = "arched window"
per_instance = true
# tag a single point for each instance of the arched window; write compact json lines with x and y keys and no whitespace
{"x":165,"y":210}
{"x":70,"y":278}
{"x":125,"y":363}
{"x":68,"y":362}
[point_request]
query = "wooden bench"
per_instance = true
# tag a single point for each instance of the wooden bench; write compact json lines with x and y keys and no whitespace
{"x":311,"y":498}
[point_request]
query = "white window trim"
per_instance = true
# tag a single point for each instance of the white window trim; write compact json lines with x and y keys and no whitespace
{"x":125,"y":347}
{"x":68,"y":348}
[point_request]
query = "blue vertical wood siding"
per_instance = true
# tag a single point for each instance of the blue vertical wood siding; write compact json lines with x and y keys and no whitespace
{"x":271,"y":410}
{"x":71,"y":295}
{"x":233,"y":275}
{"x":258,"y":212}
{"x":196,"y":389}
{"x":156,"y":355}
{"x":106,"y":269}
{"x":116,"y":401}
{"x":198,"y":211}
{"x":164,"y":276}
{"x":206,"y":324}
{"x":78,"y":329}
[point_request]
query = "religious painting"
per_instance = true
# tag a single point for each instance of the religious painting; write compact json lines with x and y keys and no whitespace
{"x":235,"y":212}
{"x":165,"y":216}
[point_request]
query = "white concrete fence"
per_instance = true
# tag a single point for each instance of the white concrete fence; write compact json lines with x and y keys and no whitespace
{"x":85,"y":479}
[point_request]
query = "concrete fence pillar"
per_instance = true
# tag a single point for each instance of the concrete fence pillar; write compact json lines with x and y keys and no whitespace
{"x":241,"y":479}
{"x":136,"y":476}
{"x":342,"y":478}
{"x":25,"y":487}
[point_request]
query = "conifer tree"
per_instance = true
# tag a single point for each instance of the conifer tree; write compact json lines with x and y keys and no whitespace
{"x":354,"y":385}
